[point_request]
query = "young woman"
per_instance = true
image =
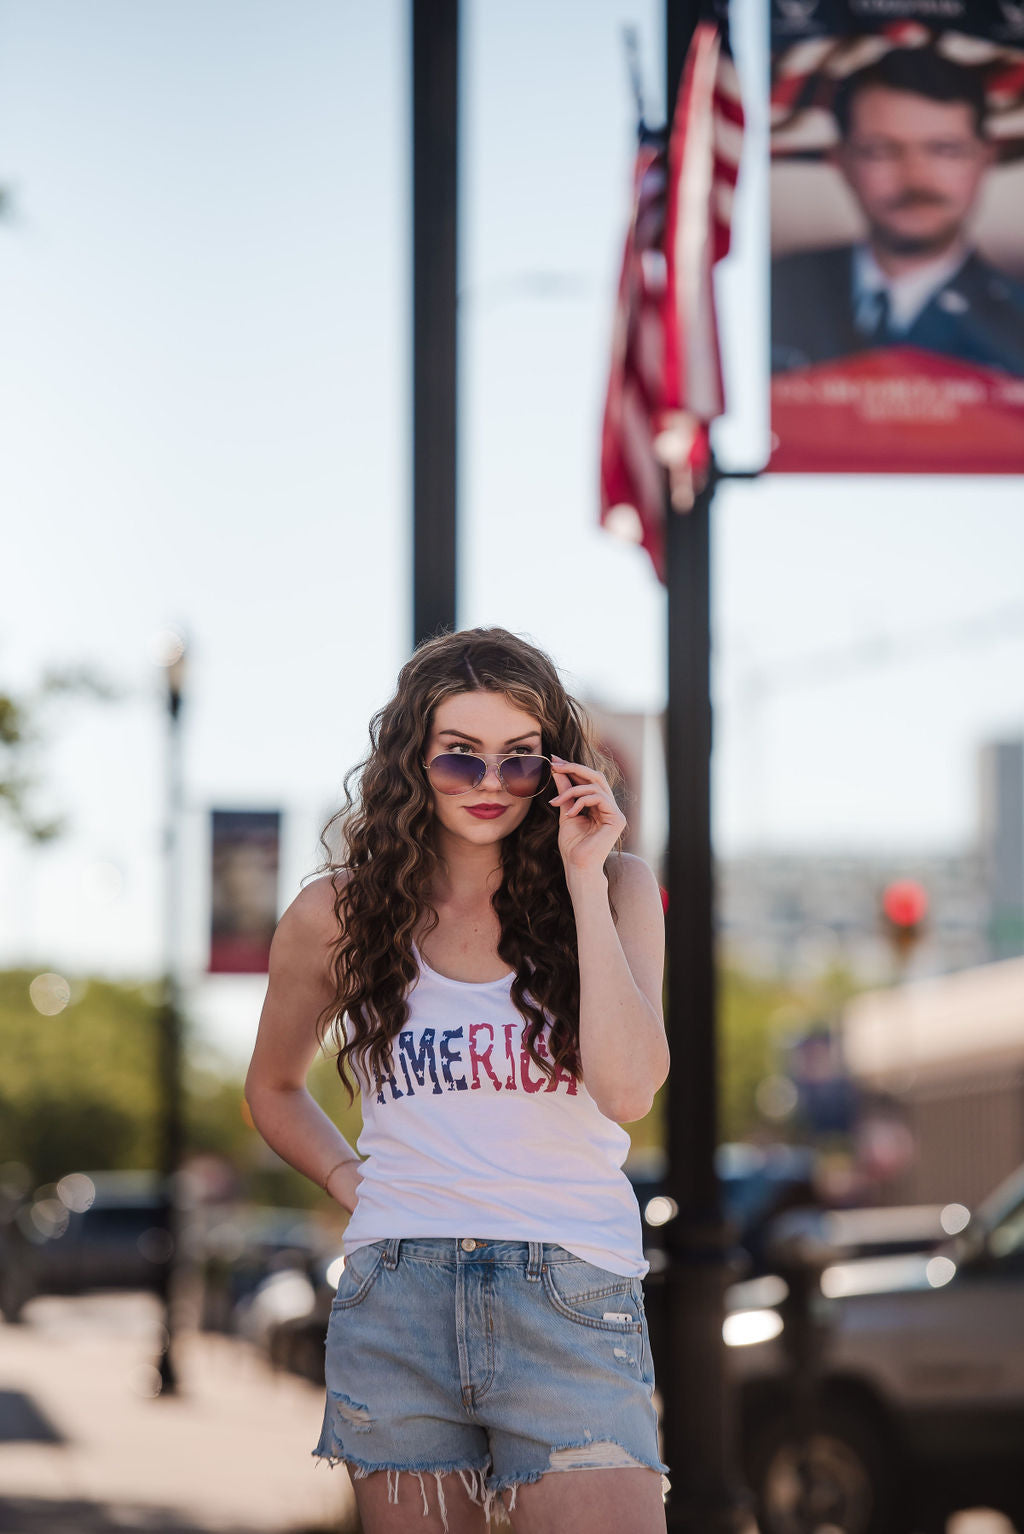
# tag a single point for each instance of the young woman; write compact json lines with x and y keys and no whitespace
{"x":489,"y":967}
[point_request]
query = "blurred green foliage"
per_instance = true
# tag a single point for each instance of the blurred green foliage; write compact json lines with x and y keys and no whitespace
{"x":79,"y":1090}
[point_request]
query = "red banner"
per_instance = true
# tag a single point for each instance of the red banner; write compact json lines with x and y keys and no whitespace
{"x":243,"y":903}
{"x":896,"y":410}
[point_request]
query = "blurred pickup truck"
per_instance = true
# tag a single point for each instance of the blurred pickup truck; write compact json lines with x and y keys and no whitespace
{"x":910,"y":1403}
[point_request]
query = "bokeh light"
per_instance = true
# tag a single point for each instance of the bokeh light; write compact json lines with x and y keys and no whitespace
{"x":49,"y":1216}
{"x":624,"y":522}
{"x":776,"y":1097}
{"x":49,"y":993}
{"x":939,"y":1271}
{"x":747,"y":1327}
{"x":660,"y":1210}
{"x":954,"y":1218}
{"x":166,"y":647}
{"x":76,"y":1192}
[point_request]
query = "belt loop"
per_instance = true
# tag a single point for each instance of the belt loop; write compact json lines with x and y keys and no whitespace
{"x":391,"y":1254}
{"x":533,"y":1267}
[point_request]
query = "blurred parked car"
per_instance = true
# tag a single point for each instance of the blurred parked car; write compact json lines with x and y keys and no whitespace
{"x":835,"y":1235}
{"x":757,"y":1183}
{"x":916,"y":1404}
{"x":286,"y":1316}
{"x":242,"y":1248}
{"x":89,"y":1231}
{"x":295,"y":1341}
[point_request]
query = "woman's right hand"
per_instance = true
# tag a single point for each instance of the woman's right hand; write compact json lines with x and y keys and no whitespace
{"x":343,"y":1183}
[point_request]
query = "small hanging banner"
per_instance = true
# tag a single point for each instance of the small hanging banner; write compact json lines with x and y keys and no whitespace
{"x":897,"y":186}
{"x":245,"y":848}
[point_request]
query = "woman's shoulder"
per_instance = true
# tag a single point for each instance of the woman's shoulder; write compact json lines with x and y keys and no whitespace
{"x":628,"y":874}
{"x":313,"y":912}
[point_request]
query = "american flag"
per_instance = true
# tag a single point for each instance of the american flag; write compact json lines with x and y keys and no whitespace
{"x":665,"y":382}
{"x":632,"y":483}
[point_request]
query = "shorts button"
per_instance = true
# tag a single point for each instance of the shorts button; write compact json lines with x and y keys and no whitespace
{"x":468,"y":1244}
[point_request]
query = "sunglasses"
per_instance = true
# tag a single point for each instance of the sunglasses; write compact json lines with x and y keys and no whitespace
{"x":521,"y":776}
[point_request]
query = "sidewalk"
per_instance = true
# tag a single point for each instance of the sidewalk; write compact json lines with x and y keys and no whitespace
{"x":85,"y":1449}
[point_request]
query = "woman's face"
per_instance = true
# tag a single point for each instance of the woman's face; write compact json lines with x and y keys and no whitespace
{"x":483,"y":724}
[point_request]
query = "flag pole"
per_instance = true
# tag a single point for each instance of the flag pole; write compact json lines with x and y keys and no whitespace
{"x":435,"y":80}
{"x":706,"y":1495}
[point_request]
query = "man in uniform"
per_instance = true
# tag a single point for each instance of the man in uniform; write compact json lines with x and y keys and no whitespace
{"x":914,"y":152}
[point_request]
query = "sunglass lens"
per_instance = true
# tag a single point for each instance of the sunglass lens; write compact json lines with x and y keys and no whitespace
{"x":524,"y":776}
{"x":454,"y":773}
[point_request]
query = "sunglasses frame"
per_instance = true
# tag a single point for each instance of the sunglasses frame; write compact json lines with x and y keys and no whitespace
{"x":474,"y":756}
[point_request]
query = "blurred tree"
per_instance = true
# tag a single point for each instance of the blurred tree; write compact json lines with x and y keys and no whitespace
{"x":78,"y":1091}
{"x":77,"y":1088}
{"x":21,"y":734}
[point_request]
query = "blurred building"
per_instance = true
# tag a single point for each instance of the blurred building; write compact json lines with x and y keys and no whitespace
{"x":947,"y":1055}
{"x":794,"y":914}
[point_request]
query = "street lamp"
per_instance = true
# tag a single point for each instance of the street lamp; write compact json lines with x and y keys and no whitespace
{"x":171,"y":652}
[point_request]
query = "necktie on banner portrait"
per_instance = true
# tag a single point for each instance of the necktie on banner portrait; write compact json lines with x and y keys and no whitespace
{"x":665,"y":378}
{"x":897,"y":189}
{"x":245,"y":851}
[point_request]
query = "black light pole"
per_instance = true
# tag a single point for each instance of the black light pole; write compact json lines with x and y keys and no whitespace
{"x":435,"y":81}
{"x":169,"y":1058}
{"x":705,"y":1496}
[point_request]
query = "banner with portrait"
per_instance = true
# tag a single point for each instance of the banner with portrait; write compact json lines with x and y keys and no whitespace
{"x":897,"y":233}
{"x":245,"y":848}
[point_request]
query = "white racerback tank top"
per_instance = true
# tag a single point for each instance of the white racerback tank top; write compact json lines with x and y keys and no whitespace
{"x":468,"y":1138}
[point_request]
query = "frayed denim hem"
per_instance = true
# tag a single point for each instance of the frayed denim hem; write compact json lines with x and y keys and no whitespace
{"x":473,"y":1478}
{"x":488,"y":1493}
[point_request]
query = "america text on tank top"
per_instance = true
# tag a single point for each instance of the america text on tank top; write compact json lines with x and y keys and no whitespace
{"x":474,"y":1057}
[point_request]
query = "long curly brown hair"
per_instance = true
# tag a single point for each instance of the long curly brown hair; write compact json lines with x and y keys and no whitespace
{"x":389,"y":860}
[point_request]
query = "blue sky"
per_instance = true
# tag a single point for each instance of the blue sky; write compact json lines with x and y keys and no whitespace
{"x":204,"y":389}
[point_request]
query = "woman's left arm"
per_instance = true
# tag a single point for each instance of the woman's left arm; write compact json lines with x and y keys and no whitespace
{"x":623,"y":1049}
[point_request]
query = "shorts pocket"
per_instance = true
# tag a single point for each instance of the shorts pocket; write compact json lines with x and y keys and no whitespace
{"x":593,"y":1296}
{"x":358,"y":1276}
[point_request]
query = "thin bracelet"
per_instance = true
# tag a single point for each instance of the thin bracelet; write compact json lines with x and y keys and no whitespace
{"x":344,"y":1160}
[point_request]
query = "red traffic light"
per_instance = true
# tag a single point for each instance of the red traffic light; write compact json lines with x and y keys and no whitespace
{"x":905,"y":903}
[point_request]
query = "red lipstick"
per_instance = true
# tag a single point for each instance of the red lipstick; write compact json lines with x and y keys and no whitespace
{"x":487,"y":811}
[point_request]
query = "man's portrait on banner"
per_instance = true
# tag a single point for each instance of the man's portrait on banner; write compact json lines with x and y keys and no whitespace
{"x":876,"y":228}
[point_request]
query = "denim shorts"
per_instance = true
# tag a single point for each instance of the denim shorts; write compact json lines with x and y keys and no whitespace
{"x":498,"y":1360}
